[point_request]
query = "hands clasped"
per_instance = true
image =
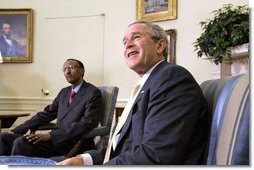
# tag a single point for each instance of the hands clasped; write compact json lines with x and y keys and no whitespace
{"x":34,"y":138}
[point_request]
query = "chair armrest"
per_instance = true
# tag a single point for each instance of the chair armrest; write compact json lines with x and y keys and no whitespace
{"x":99,"y":131}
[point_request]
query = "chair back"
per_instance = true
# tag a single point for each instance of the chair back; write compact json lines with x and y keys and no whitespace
{"x":229,"y":104}
{"x":109,"y":98}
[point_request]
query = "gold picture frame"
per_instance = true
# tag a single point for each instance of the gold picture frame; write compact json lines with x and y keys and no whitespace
{"x":16,"y":35}
{"x":156,"y":10}
{"x":171,"y":45}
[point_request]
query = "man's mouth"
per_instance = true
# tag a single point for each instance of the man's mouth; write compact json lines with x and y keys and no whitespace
{"x":132,"y":53}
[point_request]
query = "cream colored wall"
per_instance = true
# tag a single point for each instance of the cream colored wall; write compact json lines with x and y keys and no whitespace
{"x":26,"y":80}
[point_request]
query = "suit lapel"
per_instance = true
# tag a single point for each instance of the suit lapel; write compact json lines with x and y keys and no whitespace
{"x":75,"y":100}
{"x":64,"y":104}
{"x":145,"y":87}
{"x":128,"y":120}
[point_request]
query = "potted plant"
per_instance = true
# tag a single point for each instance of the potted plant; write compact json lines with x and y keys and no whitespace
{"x":228,"y":28}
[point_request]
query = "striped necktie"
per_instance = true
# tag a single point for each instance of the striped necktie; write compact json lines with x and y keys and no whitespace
{"x":71,"y":96}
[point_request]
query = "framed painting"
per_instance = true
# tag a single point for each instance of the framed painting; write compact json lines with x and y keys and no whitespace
{"x":156,"y":10}
{"x":171,"y":45}
{"x":16,"y":35}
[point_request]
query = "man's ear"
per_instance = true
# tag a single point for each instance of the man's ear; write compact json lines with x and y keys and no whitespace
{"x":161,"y":45}
{"x":83,"y":71}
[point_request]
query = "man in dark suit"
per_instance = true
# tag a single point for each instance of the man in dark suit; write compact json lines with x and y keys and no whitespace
{"x":168,"y":122}
{"x":74,"y":117}
{"x":9,"y":47}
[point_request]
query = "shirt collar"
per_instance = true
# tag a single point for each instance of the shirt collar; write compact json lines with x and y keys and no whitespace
{"x":147,"y":74}
{"x":6,"y":37}
{"x":76,"y":89}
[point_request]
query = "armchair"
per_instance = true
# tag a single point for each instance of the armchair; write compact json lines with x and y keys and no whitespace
{"x":109,"y":97}
{"x":229,"y":105}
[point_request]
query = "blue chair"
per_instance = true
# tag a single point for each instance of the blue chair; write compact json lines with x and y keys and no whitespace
{"x":229,"y":105}
{"x":109,"y":98}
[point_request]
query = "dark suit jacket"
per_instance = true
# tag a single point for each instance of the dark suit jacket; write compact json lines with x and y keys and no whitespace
{"x":168,"y":123}
{"x":82,"y":115}
{"x":8,"y":51}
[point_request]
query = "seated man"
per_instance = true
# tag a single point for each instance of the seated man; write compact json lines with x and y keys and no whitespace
{"x":167,"y":120}
{"x":75,"y":115}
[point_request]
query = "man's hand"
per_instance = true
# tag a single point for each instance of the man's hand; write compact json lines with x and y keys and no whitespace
{"x":34,"y":138}
{"x":78,"y":160}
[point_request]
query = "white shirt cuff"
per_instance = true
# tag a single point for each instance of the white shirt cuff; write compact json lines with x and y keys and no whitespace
{"x":87,"y":158}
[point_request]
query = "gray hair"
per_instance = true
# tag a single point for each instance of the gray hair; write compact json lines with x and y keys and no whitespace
{"x":157,"y":33}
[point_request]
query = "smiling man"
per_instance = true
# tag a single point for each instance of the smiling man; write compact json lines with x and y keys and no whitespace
{"x":77,"y":109}
{"x":167,"y":122}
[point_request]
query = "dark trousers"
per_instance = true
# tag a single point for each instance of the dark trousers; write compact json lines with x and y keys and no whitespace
{"x":14,"y":144}
{"x":6,"y":141}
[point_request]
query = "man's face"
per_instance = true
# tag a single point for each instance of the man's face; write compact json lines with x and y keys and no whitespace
{"x":140,"y":51}
{"x":72,"y":72}
{"x":6,"y":29}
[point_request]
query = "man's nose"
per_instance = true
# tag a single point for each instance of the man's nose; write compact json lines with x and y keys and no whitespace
{"x":67,"y":71}
{"x":129,"y":44}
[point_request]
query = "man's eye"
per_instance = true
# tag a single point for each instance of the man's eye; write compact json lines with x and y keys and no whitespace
{"x":136,"y":36}
{"x":71,"y":67}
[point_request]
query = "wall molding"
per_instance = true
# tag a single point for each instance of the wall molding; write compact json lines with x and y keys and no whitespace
{"x":34,"y":105}
{"x":40,"y":101}
{"x":28,"y":104}
{"x":22,"y":105}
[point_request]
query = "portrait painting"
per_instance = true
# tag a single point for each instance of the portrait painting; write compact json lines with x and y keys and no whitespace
{"x":156,"y":10}
{"x":16,"y":35}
